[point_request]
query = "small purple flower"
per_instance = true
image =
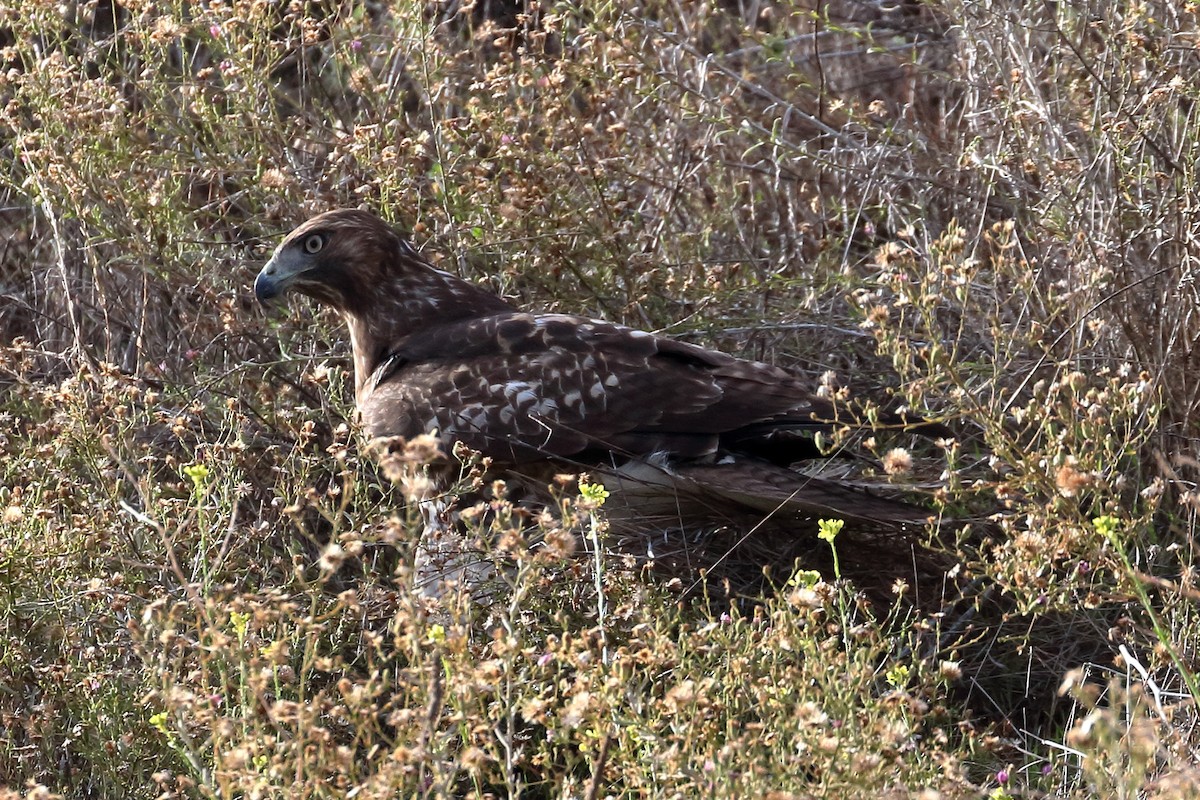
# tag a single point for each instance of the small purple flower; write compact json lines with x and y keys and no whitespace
{"x":356,"y":45}
{"x":1047,"y":768}
{"x":1084,"y":567}
{"x":725,"y":618}
{"x":1002,"y":777}
{"x":545,"y":659}
{"x":214,"y":30}
{"x":506,"y":139}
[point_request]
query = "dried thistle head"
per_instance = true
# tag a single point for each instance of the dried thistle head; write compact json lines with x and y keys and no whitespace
{"x":415,"y":485}
{"x":332,"y":558}
{"x":897,"y":461}
{"x":560,"y":544}
{"x":1070,"y":480}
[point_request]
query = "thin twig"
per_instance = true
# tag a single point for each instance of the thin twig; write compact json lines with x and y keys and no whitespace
{"x":598,"y":768}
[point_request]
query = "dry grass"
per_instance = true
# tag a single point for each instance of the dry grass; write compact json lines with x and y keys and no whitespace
{"x":985,"y":210}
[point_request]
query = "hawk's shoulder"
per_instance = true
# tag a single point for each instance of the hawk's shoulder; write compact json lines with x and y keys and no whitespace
{"x":517,"y":385}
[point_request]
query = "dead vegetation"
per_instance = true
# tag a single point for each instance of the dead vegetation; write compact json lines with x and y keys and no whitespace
{"x":984,"y":210}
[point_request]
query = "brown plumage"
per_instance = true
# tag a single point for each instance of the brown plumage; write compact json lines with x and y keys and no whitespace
{"x":659,"y":419}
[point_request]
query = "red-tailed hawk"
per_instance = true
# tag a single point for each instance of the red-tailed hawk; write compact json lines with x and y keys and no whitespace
{"x":659,"y":421}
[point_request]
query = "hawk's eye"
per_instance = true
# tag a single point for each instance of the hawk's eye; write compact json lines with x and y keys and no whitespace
{"x":314,"y":243}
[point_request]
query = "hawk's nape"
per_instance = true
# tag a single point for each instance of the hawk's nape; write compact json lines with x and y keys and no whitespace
{"x":664,"y":424}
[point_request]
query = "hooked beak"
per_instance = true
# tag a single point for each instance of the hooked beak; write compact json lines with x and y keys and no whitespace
{"x":276,"y":277}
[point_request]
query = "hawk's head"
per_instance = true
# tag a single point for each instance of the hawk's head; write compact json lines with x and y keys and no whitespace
{"x":332,"y":258}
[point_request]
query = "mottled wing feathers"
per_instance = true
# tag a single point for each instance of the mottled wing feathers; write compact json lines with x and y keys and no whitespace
{"x":521,"y":386}
{"x":773,"y":489}
{"x":749,"y":391}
